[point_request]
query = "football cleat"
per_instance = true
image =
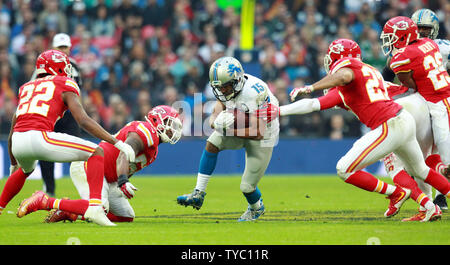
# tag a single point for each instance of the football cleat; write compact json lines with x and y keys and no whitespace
{"x":37,"y":201}
{"x":441,"y":201}
{"x":396,"y":200}
{"x":251,"y":214}
{"x":194,"y":199}
{"x":56,"y":215}
{"x":96,"y":214}
{"x":432,"y":215}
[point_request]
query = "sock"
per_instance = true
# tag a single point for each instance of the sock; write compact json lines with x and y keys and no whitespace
{"x":253,"y":198}
{"x":114,"y":218}
{"x":207,"y":165}
{"x":438,"y":182}
{"x":367,"y":181}
{"x":74,"y":206}
{"x":94,"y":173}
{"x":202,"y":181}
{"x":13,"y":186}
{"x":403,"y":179}
{"x":434,"y":161}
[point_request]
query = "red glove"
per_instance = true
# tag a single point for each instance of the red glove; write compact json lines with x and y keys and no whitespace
{"x":268,"y":112}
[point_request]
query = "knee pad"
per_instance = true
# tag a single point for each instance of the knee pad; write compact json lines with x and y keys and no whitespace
{"x":247,"y":188}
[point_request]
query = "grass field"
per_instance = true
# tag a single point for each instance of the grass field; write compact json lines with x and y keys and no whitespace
{"x":313,"y":210}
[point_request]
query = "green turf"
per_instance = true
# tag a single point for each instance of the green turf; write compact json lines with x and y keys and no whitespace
{"x":299,"y":210}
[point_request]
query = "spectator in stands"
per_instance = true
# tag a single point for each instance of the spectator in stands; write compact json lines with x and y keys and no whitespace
{"x":102,"y":24}
{"x":52,"y":18}
{"x":172,"y":43}
{"x":79,"y":16}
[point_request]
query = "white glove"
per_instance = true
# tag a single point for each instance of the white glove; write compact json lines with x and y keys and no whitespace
{"x":127,"y":150}
{"x":223,"y":121}
{"x":127,"y":189}
{"x":301,"y":90}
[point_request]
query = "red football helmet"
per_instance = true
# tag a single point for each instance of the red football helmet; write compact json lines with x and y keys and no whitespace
{"x":167,"y":123}
{"x":341,"y":48}
{"x":398,"y":32}
{"x":54,"y":62}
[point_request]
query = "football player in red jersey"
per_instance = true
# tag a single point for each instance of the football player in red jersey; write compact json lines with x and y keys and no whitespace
{"x":41,"y":103}
{"x":417,"y":62}
{"x":162,"y":125}
{"x":360,"y":88}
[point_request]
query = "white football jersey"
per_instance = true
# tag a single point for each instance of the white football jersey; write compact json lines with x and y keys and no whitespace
{"x":253,"y":96}
{"x":444,"y":48}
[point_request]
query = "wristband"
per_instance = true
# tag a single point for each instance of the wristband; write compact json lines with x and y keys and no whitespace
{"x":122,"y":179}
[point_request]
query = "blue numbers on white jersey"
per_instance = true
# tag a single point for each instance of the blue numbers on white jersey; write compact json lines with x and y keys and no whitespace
{"x":258,"y":87}
{"x":441,"y":41}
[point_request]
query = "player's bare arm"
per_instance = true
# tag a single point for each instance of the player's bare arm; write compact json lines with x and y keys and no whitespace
{"x":136,"y":143}
{"x":218,"y":108}
{"x":72,"y":101}
{"x":123,"y":166}
{"x":407,"y":79}
{"x":342,"y":77}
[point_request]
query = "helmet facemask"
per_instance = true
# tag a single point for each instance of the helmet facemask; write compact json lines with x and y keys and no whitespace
{"x":234,"y":90}
{"x":169,"y":129}
{"x":389,"y":39}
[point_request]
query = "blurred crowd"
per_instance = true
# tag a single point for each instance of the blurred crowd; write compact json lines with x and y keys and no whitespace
{"x":135,"y":54}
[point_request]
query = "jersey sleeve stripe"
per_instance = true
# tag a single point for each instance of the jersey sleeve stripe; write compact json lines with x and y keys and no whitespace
{"x":341,"y":65}
{"x":146,"y":133}
{"x":72,"y":84}
{"x":400,"y":63}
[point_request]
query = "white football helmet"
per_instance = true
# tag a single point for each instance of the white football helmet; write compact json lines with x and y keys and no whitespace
{"x":426,"y":18}
{"x":225,"y":72}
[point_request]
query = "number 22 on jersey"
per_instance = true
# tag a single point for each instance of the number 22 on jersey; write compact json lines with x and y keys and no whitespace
{"x":32,"y":98}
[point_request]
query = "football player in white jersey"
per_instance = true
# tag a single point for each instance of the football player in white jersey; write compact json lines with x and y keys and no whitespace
{"x":428,"y":25}
{"x":237,"y":92}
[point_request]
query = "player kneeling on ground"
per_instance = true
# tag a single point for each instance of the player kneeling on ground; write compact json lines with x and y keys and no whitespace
{"x":236,"y":90}
{"x":41,"y":103}
{"x":162,"y":125}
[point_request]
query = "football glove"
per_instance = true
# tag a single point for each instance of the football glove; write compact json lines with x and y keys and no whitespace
{"x":125,"y":187}
{"x":301,"y":91}
{"x":268,"y":112}
{"x":127,"y":150}
{"x":223,"y":121}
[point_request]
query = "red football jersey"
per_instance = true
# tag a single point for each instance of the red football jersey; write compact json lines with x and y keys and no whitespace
{"x":144,"y":158}
{"x":425,"y":60}
{"x":366,"y":96}
{"x":41,"y":103}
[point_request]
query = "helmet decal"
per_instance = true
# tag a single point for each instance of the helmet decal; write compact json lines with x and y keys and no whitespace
{"x":232,"y":69}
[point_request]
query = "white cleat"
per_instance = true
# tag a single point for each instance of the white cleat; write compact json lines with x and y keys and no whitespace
{"x":432,"y":214}
{"x":96,"y":214}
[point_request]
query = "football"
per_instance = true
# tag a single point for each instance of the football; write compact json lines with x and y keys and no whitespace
{"x":241,"y":119}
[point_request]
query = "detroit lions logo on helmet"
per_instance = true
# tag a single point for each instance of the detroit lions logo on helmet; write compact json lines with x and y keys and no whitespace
{"x":233,"y":68}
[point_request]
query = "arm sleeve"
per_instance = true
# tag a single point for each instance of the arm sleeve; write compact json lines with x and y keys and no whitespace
{"x":303,"y":106}
{"x":331,"y":99}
